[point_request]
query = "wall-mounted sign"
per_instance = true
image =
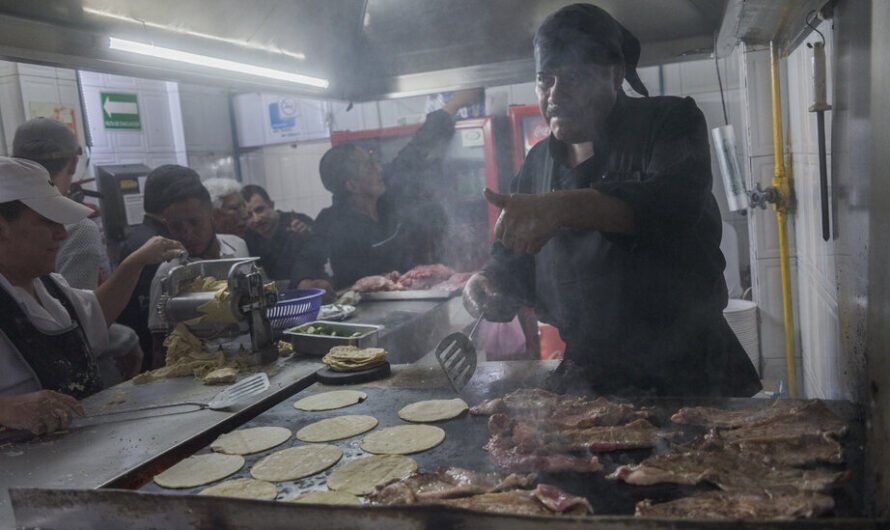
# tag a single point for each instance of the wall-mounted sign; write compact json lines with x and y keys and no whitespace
{"x":54,"y":111}
{"x":120,"y":110}
{"x":283,"y":114}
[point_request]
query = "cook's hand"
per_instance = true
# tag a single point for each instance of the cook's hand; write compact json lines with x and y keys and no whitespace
{"x":462,"y":98}
{"x":329,"y":296}
{"x":40,"y":412}
{"x":480,"y":297}
{"x":526,"y":222}
{"x":299,"y":227}
{"x":158,"y":249}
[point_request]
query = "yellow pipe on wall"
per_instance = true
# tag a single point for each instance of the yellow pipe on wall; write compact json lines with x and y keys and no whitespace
{"x":782,"y":183}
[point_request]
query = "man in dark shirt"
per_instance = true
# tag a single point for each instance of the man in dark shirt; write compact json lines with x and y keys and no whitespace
{"x":279,"y":239}
{"x":612,"y":232}
{"x":136,"y":313}
{"x":385,"y":218}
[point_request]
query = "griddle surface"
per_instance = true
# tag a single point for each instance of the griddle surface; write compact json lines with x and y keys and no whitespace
{"x":466,"y":435}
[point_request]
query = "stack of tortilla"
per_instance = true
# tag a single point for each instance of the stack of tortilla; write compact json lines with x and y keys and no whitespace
{"x":354,"y":359}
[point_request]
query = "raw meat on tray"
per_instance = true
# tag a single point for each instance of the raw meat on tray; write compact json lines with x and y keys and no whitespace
{"x":435,"y":277}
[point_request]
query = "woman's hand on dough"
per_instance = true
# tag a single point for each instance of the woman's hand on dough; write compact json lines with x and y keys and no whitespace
{"x":40,"y":412}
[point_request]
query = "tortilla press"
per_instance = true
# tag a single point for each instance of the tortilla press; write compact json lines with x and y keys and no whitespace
{"x":211,"y":317}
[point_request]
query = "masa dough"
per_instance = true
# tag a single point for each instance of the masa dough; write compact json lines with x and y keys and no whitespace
{"x":296,"y":462}
{"x":336,"y":428}
{"x":243,"y":488}
{"x":330,"y":400}
{"x":403,"y":439}
{"x":361,"y":476}
{"x":433,"y":410}
{"x":327,"y":497}
{"x":198,"y":470}
{"x":247,"y":441}
{"x":221,"y":376}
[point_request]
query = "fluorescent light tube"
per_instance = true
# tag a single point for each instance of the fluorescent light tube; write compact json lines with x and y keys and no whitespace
{"x":145,"y":23}
{"x":212,"y":62}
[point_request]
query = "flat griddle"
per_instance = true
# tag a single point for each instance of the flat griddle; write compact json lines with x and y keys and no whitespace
{"x":467,"y":434}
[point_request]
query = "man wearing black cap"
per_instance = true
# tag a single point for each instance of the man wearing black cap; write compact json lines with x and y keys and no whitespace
{"x":136,"y":314}
{"x":612,"y":232}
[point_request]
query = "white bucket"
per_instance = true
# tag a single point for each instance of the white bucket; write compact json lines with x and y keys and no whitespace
{"x":741,"y":315}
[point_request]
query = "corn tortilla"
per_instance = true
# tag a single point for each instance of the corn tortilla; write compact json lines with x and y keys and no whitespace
{"x":336,"y":428}
{"x":403,"y":439}
{"x":243,"y":488}
{"x":330,"y":400}
{"x":361,"y":476}
{"x":248,"y":441}
{"x":198,"y":470}
{"x":433,"y":410}
{"x":296,"y":462}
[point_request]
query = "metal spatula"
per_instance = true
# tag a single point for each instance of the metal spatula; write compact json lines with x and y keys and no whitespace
{"x":457,"y":357}
{"x":227,"y":397}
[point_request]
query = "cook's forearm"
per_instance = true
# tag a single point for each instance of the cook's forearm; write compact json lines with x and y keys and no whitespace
{"x":115,"y":292}
{"x":589,"y":209}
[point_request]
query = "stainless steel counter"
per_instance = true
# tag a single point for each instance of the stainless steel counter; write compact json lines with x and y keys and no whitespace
{"x":128,"y":453}
{"x":91,"y":457}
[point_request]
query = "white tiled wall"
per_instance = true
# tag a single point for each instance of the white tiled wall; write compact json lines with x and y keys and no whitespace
{"x":766,"y":281}
{"x":161,"y":139}
{"x":290,"y":175}
{"x":207,"y":130}
{"x":22,"y":84}
{"x":815,"y":263}
{"x":818,"y":274}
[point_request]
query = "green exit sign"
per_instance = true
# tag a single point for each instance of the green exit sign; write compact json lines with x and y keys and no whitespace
{"x":120,"y":110}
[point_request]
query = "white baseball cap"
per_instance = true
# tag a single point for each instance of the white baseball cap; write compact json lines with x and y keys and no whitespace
{"x":29,"y":182}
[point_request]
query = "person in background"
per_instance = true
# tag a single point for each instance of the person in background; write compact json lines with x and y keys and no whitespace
{"x":50,"y":331}
{"x":384,"y":218}
{"x":80,"y":258}
{"x":229,"y":208}
{"x":152,"y":221}
{"x":280,"y":239}
{"x":188,"y":214}
{"x":136,"y":314}
{"x":612,"y":232}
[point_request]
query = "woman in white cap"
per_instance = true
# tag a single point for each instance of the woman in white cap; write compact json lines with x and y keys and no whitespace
{"x":50,"y":330}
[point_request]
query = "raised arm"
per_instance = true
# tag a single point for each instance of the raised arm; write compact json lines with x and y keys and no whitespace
{"x":114,"y":294}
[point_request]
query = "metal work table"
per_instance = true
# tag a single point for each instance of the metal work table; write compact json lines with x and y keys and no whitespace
{"x":128,"y":453}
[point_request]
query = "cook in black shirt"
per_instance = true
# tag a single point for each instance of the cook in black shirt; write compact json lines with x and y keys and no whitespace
{"x":611,"y":231}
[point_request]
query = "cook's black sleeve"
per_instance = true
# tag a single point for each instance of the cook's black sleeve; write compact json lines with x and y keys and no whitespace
{"x":675,"y":185}
{"x":354,"y":251}
{"x":414,"y":157}
{"x":513,"y":272}
{"x":309,"y":263}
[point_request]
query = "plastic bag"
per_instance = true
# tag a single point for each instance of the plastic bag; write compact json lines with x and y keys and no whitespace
{"x":502,"y":341}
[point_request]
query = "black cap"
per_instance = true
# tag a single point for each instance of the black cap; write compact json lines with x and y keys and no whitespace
{"x":161,"y":183}
{"x":585,"y":33}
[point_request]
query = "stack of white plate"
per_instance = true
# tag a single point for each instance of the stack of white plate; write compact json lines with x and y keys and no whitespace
{"x":742,"y":318}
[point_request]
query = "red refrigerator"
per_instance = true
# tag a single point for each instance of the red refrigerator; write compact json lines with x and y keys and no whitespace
{"x":527,"y":127}
{"x":470,"y":164}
